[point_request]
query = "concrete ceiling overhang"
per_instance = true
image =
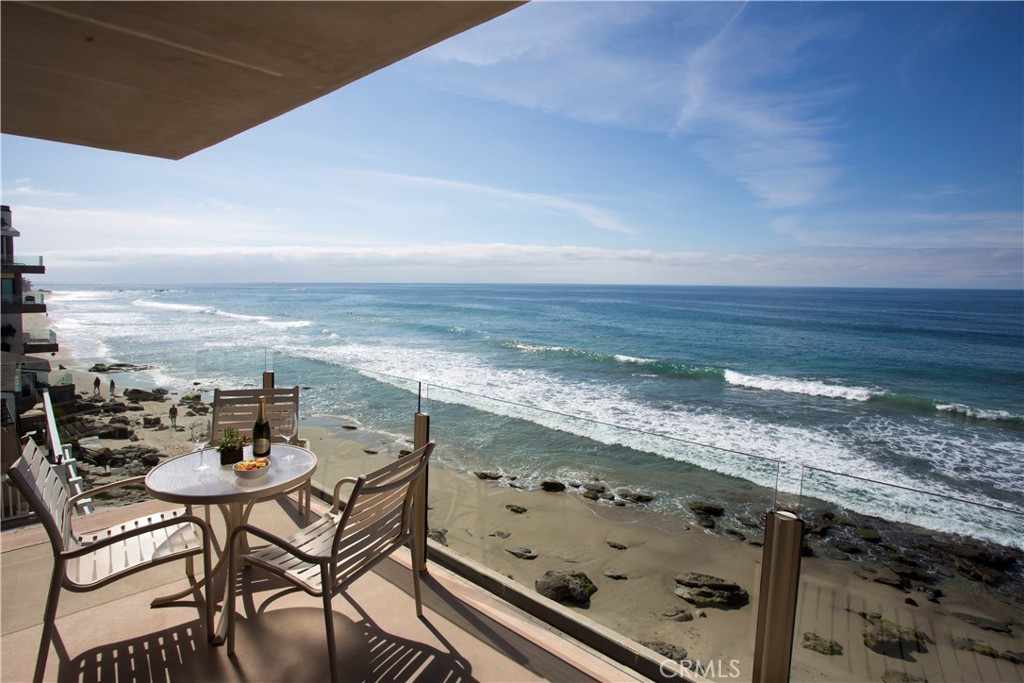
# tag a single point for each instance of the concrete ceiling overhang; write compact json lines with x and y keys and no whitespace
{"x":167,"y":79}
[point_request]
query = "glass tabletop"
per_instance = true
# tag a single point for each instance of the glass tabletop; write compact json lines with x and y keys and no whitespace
{"x":180,"y":481}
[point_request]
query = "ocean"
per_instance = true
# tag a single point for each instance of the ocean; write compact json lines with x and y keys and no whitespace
{"x":904,"y":404}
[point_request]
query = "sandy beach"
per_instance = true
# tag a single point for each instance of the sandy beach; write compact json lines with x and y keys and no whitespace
{"x":953,"y":629}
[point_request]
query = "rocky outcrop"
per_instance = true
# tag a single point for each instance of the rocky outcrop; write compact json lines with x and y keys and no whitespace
{"x":889,"y":638}
{"x":704,"y":590}
{"x":894,"y":676}
{"x":982,"y":648}
{"x":118,"y":367}
{"x":562,"y":585}
{"x":667,"y":650}
{"x":521,"y":552}
{"x":438,"y":535}
{"x":635,"y":496}
{"x":143,"y":395}
{"x":825,"y":646}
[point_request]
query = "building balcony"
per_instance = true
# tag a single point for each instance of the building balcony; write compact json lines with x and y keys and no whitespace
{"x":114,"y":634}
{"x":23,"y":264}
{"x":41,"y":341}
{"x":28,"y":302}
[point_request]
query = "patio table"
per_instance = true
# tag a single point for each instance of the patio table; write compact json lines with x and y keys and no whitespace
{"x":180,"y":481}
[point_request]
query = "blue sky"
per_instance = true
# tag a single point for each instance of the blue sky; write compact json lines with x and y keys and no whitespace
{"x":829,"y":143}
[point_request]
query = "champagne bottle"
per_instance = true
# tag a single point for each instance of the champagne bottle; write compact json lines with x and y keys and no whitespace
{"x":261,"y":432}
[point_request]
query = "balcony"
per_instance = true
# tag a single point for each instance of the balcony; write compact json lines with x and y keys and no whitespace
{"x":113,"y":633}
{"x":874,"y":595}
{"x":23,"y":264}
{"x":40,"y":341}
{"x":28,"y":302}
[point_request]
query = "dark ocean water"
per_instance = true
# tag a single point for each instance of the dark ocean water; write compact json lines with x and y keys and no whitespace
{"x":780,"y":387}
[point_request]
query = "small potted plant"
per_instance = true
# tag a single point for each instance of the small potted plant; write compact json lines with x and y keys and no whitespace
{"x":231,"y":445}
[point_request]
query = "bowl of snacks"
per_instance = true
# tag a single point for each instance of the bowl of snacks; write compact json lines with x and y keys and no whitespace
{"x":251,"y":469}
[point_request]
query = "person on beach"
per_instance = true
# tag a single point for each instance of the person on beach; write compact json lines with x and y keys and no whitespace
{"x":111,"y":388}
{"x":173,"y":414}
{"x":96,"y":386}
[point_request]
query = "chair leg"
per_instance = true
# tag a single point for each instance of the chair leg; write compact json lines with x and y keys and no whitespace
{"x":208,"y":587}
{"x":329,"y":623}
{"x":49,"y":619}
{"x":417,"y":552}
{"x":229,"y":599}
{"x":190,"y":569}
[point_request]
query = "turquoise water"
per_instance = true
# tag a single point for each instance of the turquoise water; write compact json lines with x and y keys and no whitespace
{"x":921,"y":388}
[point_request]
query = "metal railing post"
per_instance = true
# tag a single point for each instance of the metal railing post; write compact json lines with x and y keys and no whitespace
{"x":421,"y":435}
{"x":776,"y":609}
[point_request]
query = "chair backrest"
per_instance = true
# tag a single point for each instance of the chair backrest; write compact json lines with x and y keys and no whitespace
{"x":378,"y":514}
{"x":238,"y":408}
{"x":47,"y":494}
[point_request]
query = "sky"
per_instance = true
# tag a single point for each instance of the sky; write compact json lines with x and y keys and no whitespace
{"x":870,"y":144}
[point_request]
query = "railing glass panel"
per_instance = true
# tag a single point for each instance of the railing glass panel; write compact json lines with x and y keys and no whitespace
{"x":930,"y":588}
{"x":24,"y":260}
{"x":375,"y":428}
{"x":649,"y":520}
{"x":26,"y":298}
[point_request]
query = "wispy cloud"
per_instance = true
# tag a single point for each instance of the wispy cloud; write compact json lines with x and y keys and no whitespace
{"x":24,"y":187}
{"x":502,"y":262}
{"x":723,"y":79}
{"x":749,"y":120}
{"x":590,"y":213}
{"x":917,"y":230}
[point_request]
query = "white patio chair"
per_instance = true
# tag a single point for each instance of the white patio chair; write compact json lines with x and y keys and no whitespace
{"x":86,"y":562}
{"x":325,"y":557}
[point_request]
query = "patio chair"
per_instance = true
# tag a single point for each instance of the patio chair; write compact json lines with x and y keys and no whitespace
{"x":324,"y":558}
{"x":238,"y":408}
{"x":89,"y":561}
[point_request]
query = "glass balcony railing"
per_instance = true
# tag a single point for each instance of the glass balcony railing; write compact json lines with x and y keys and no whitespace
{"x":657,"y":539}
{"x":23,"y":260}
{"x":40,"y":337}
{"x":880,"y":598}
{"x":20,"y":299}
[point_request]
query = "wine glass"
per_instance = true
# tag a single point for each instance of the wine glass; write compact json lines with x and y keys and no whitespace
{"x":288,"y":428}
{"x":200,"y":430}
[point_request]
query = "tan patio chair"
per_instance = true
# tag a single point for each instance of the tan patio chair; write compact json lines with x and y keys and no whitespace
{"x":324,"y":558}
{"x":238,"y":408}
{"x":86,"y":562}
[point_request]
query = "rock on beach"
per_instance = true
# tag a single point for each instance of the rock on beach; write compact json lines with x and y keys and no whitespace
{"x":562,"y":585}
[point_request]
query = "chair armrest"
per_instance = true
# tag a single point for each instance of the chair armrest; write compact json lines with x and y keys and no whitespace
{"x":106,"y":487}
{"x":337,"y":491}
{"x":138,"y":531}
{"x":275,"y":540}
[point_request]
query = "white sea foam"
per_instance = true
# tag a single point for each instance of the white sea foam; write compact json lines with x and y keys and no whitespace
{"x":978,"y":413}
{"x":211,"y":310}
{"x":769,"y":454}
{"x":798,"y":386}
{"x":630,"y":359}
{"x":67,"y":296}
{"x":166,"y":306}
